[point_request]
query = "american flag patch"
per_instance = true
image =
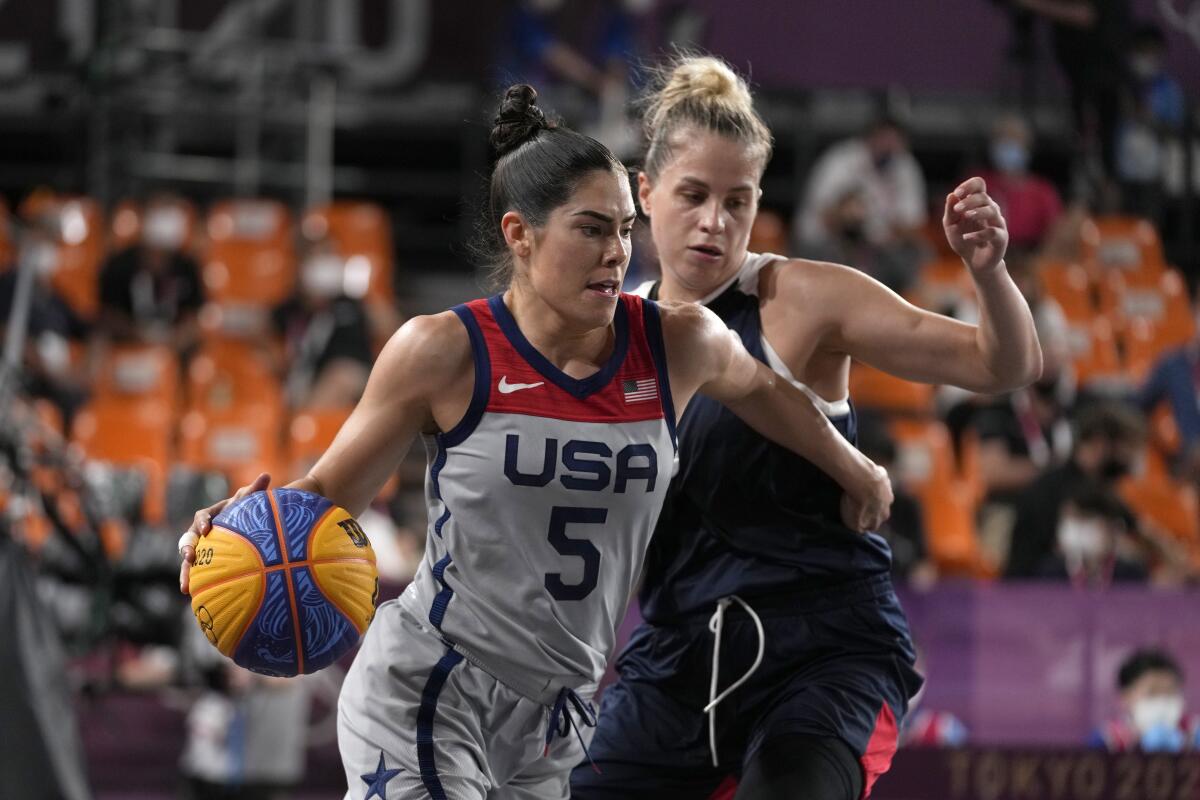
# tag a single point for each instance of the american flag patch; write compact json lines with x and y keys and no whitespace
{"x":639,"y":390}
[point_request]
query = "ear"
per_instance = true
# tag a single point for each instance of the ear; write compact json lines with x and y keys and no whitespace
{"x":517,"y":234}
{"x":644,"y":190}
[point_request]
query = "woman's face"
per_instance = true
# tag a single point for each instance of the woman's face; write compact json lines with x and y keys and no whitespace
{"x":701,"y":209}
{"x":576,"y":261}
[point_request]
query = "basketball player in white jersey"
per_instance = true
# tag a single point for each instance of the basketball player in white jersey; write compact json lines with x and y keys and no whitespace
{"x":548,"y":415}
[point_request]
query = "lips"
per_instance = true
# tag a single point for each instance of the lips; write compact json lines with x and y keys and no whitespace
{"x":712,"y":251}
{"x":609,"y":288}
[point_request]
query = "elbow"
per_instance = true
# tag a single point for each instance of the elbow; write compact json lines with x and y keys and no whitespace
{"x":1022,"y":373}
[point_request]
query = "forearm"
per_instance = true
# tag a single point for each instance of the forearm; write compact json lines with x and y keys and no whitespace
{"x":1006,"y":337}
{"x":782,"y":413}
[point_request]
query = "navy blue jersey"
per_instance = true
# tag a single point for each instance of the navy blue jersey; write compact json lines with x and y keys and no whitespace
{"x":743,"y":515}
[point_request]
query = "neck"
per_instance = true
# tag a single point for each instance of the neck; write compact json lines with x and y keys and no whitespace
{"x":552,"y":334}
{"x":670,"y":288}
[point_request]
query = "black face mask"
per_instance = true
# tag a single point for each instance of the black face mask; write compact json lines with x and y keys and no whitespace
{"x":1113,"y":468}
{"x":853,"y":232}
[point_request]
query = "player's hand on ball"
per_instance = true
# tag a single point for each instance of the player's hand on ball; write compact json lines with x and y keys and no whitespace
{"x":869,"y":507}
{"x":202,"y":524}
{"x":975,"y":228}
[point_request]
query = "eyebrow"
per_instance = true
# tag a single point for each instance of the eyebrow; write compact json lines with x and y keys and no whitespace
{"x":602,"y":217}
{"x":744,"y":187}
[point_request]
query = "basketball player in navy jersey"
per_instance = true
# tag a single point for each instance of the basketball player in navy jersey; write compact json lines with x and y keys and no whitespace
{"x":774,"y":652}
{"x":548,"y":414}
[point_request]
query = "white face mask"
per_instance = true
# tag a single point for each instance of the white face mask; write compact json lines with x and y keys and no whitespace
{"x":1081,"y":540}
{"x":322,"y":276}
{"x":1157,"y":712}
{"x":164,"y":228}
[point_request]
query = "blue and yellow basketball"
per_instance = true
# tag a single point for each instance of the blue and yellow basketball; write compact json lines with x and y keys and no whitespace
{"x":284,"y":583}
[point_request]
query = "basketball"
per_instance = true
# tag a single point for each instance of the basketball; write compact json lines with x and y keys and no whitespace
{"x":284,"y":583}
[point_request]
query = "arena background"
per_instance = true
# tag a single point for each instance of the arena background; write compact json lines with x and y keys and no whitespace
{"x":282,"y":131}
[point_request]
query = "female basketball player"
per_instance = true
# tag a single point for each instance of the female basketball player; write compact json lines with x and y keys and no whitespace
{"x":548,"y":414}
{"x":811,"y":694}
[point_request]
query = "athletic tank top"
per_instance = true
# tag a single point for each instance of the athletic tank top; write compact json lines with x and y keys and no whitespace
{"x":542,"y":501}
{"x":743,"y":515}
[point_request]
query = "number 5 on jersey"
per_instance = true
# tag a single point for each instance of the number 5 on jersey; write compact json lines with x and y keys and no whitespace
{"x":560,"y":517}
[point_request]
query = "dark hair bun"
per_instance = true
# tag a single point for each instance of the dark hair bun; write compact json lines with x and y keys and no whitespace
{"x":519,"y":119}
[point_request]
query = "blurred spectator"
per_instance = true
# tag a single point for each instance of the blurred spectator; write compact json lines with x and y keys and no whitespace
{"x":327,"y":336}
{"x":246,"y":733}
{"x":1026,"y":432}
{"x":1030,"y":203}
{"x":904,"y":529}
{"x":51,"y":327}
{"x":1090,"y":45}
{"x":1155,"y":114}
{"x":1174,"y":380}
{"x":1093,"y":548}
{"x":1150,"y":682}
{"x":151,"y":292}
{"x":878,"y":164}
{"x":844,"y":240}
{"x":1108,"y":440}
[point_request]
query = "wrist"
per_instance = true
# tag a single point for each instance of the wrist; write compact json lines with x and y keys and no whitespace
{"x":984,"y":274}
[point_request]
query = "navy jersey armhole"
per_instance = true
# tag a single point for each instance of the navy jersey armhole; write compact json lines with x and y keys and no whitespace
{"x":483,"y":381}
{"x":658,"y":351}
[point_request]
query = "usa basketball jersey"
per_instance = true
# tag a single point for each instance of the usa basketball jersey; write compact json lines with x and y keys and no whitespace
{"x":542,"y":501}
{"x":746,"y":516}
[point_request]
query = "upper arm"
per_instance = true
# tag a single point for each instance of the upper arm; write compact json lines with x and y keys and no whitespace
{"x":864,"y":319}
{"x":414,"y":385}
{"x":703,"y":355}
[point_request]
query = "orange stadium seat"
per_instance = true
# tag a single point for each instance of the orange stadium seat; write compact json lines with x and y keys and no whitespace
{"x":942,"y":284}
{"x":1094,"y":353}
{"x":362,"y":235}
{"x":240,"y":441}
{"x":872,"y":388}
{"x":229,"y":372}
{"x":1126,"y":243}
{"x":1070,"y":286}
{"x":140,"y":371}
{"x":79,"y":227}
{"x":250,"y":258}
{"x":769,"y":234}
{"x":135,"y":433}
{"x":125,"y":225}
{"x":310,"y":435}
{"x":1168,"y":504}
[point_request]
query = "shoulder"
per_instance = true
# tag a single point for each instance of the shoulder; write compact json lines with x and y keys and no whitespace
{"x":682,"y":320}
{"x":431,"y":348}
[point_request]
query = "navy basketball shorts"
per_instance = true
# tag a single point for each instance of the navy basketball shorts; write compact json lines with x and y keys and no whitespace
{"x":837,"y":664}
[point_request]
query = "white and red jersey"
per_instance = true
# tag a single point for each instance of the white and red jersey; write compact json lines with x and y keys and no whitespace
{"x":542,"y":501}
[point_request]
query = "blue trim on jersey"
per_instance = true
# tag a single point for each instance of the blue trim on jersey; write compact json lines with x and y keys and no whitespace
{"x":658,"y":352}
{"x":437,"y":611}
{"x":429,"y":700}
{"x":434,"y":472}
{"x":483,"y":382}
{"x":580,"y":388}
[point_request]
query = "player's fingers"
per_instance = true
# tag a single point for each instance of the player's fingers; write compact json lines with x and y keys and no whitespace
{"x":202,"y":521}
{"x":185,"y":570}
{"x":971,"y":202}
{"x":988,"y":234}
{"x":970,"y":186}
{"x":986,"y":214}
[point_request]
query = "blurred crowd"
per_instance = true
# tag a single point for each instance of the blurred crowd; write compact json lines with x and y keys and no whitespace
{"x":190,"y":348}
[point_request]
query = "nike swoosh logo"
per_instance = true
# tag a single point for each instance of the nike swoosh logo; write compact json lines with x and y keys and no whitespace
{"x":508,"y":388}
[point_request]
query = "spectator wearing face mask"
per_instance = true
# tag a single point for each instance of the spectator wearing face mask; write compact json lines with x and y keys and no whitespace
{"x":51,"y":327}
{"x":152,"y":292}
{"x":326,"y":335}
{"x":1093,"y":547}
{"x":1108,"y":440}
{"x":1153,"y":717}
{"x":1031,"y":205}
{"x":879,"y":164}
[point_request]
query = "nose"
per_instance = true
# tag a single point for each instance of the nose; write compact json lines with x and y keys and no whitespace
{"x":712,"y":221}
{"x":617,"y":252}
